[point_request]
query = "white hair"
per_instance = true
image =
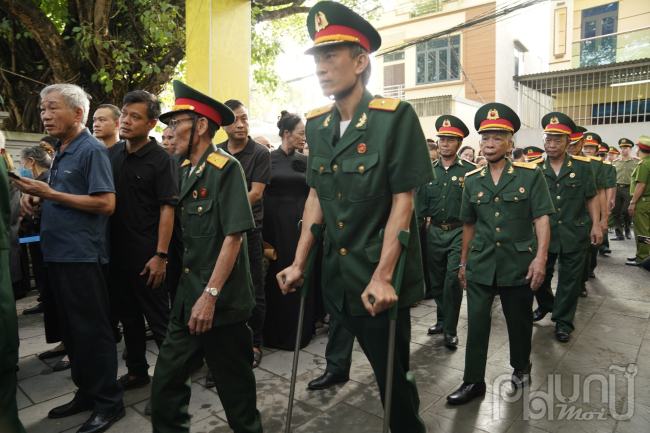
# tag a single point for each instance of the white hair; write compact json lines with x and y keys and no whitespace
{"x":74,"y":97}
{"x":2,"y":140}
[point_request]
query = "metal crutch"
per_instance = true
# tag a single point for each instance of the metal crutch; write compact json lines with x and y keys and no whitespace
{"x":316,"y":230}
{"x":403,"y":237}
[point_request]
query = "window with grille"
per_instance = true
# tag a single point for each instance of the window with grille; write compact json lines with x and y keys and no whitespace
{"x":399,"y":55}
{"x":438,"y":60}
{"x":621,"y":112}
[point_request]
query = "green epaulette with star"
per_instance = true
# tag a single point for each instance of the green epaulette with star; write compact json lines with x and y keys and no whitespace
{"x":580,"y":158}
{"x":319,"y":111}
{"x":473,"y":171}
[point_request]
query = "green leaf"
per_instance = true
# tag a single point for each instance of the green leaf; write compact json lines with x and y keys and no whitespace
{"x":106,"y":45}
{"x":76,"y":29}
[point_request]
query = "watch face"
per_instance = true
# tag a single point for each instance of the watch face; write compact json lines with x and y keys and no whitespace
{"x":214,"y":292}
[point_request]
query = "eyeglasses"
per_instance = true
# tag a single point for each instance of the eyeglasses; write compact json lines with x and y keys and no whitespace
{"x":173,"y":124}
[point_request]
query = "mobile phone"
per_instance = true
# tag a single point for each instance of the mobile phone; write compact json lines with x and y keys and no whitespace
{"x":13,"y":175}
{"x":643,"y":239}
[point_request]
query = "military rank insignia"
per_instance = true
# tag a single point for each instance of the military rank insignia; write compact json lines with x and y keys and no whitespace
{"x":362,"y":148}
{"x":217,"y":160}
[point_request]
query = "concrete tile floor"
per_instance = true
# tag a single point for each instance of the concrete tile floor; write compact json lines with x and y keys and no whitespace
{"x":612,"y":329}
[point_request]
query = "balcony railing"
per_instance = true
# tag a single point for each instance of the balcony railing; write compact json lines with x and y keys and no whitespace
{"x":418,"y":8}
{"x":614,"y":48}
{"x":396,"y":92}
{"x":432,"y":106}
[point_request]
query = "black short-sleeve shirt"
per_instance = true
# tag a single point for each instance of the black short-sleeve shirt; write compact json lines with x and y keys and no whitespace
{"x":255,"y":159}
{"x":144,"y":181}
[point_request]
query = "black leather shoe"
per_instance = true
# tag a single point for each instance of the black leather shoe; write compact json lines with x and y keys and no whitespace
{"x":100,"y":422}
{"x":591,"y":274}
{"x":634,"y":263}
{"x":583,"y":292}
{"x":561,"y":335}
{"x":631,"y":259}
{"x":52,"y":354}
{"x":77,"y":405}
{"x":617,"y":238}
{"x":521,"y":378}
{"x":209,"y":380}
{"x":436,"y":329}
{"x":604,"y":251}
{"x":539,"y":314}
{"x":147,"y":408}
{"x":128,"y":383}
{"x":628,"y":235}
{"x":328,"y":379}
{"x":451,"y":341}
{"x":34,"y":310}
{"x":466,"y":393}
{"x":61,"y":366}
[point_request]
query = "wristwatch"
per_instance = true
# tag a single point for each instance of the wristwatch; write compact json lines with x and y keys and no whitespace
{"x":161,"y":255}
{"x":631,"y":201}
{"x":214,"y":292}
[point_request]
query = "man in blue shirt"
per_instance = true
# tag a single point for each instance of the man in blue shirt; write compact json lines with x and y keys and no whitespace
{"x":78,"y":198}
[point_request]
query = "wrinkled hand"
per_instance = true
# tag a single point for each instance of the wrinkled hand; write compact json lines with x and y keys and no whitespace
{"x":384,"y":294}
{"x":596,"y":236}
{"x":157,"y":268}
{"x":32,"y":187}
{"x":536,"y":273}
{"x":630,"y":209}
{"x":29,"y":204}
{"x":461,"y":277}
{"x":603,"y":226}
{"x":202,"y":314}
{"x":292,"y":279}
{"x":612,"y":204}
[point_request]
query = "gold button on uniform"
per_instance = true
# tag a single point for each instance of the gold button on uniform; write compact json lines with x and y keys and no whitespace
{"x":187,"y":270}
{"x":182,"y":209}
{"x":183,"y":229}
{"x":559,"y":209}
{"x":443,"y":196}
{"x":362,"y":169}
{"x":559,"y":222}
{"x":200,"y":209}
{"x":496,"y":214}
{"x":341,"y":225}
{"x":339,"y":196}
{"x":498,"y":229}
{"x":496,"y":198}
{"x":321,"y":169}
{"x":557,"y":184}
{"x":478,"y":201}
{"x":558,"y":197}
{"x":343,"y":251}
{"x":516,"y":198}
{"x":498,"y":244}
{"x":335,"y":167}
{"x":530,"y":249}
{"x":185,"y":250}
{"x":445,"y":184}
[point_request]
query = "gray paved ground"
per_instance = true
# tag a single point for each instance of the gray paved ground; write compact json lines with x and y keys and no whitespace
{"x":612,"y":328}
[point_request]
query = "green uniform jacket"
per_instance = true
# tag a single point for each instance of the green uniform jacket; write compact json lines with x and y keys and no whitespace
{"x":214,"y":204}
{"x":383,"y":152}
{"x":505,"y":242}
{"x":8,"y":321}
{"x":641,"y":174}
{"x":570,"y":225}
{"x":624,"y":169}
{"x":610,"y":172}
{"x":599,"y":172}
{"x":440,"y":199}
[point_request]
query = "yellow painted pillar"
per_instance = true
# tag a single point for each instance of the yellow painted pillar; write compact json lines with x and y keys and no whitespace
{"x":218,"y":49}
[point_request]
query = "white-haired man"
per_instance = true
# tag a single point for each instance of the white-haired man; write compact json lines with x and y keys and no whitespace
{"x":78,"y":198}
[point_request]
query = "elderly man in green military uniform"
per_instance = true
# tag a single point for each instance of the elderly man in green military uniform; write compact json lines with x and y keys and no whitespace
{"x":438,"y":208}
{"x":625,"y":165}
{"x":592,"y":142}
{"x":610,"y":192}
{"x":9,"y":421}
{"x":639,"y":208}
{"x":576,"y":149}
{"x":505,"y":242}
{"x":215,"y":294}
{"x":572,"y":185}
{"x":366,"y":156}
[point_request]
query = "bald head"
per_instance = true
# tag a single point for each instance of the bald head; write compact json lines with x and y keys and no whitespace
{"x":263,"y":140}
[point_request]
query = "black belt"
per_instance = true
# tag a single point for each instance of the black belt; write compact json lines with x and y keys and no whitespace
{"x":620,"y":185}
{"x":447,"y":226}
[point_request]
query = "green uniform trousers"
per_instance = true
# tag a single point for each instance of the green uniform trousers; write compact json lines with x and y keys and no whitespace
{"x":443,"y":250}
{"x":641,"y":222}
{"x":372,"y":334}
{"x":228,"y":351}
{"x":517,"y":305}
{"x":339,"y":348}
{"x":587,"y":258}
{"x":621,"y":216}
{"x":593,"y":259}
{"x":564,"y":303}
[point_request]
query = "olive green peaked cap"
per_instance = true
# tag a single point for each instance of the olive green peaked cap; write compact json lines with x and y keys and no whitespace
{"x":191,"y":100}
{"x":558,"y":123}
{"x":496,"y":117}
{"x":451,"y":126}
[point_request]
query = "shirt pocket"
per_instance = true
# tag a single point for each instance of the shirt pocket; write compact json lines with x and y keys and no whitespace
{"x":473,"y":259}
{"x":481,"y":205}
{"x":323,"y":176}
{"x":202,"y":218}
{"x":526,"y":251}
{"x":433,"y":189}
{"x":573,"y":189}
{"x":363,"y":177}
{"x":373,"y":251}
{"x":516,"y":205}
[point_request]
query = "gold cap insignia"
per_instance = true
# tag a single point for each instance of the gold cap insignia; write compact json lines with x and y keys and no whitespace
{"x":321,"y":21}
{"x":554,"y":121}
{"x":589,"y":137}
{"x":493,"y":114}
{"x":446,"y":123}
{"x":530,"y":151}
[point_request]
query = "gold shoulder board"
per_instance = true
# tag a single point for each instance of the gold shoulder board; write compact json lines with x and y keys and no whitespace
{"x":607,"y":162}
{"x":528,"y":165}
{"x":217,"y":160}
{"x":595,"y":158}
{"x":185,"y":163}
{"x":318,"y":111}
{"x":473,"y":172}
{"x":464,"y":161}
{"x":385,"y":104}
{"x":580,"y":158}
